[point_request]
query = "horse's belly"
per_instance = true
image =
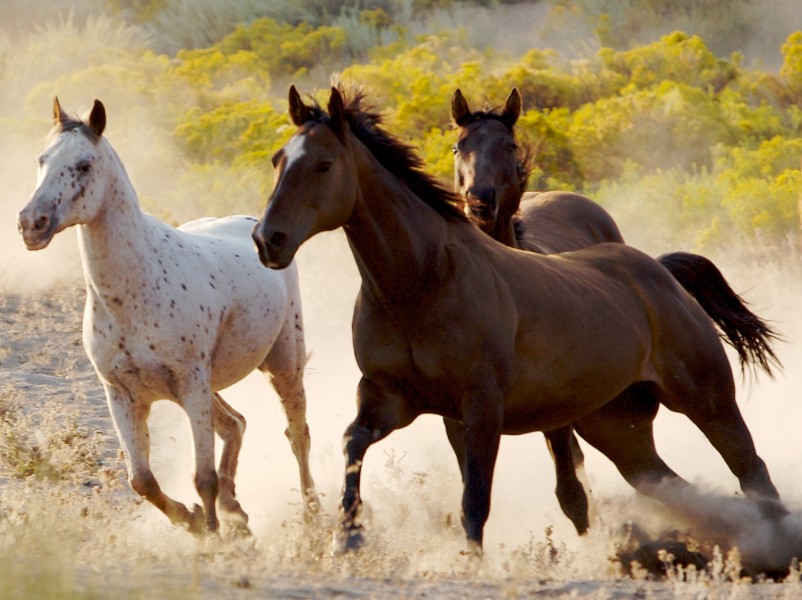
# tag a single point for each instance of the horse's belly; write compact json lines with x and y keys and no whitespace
{"x":235,"y":358}
{"x":541,"y":406}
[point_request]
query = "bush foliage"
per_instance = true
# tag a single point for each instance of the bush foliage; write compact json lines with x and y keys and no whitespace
{"x":718,"y":140}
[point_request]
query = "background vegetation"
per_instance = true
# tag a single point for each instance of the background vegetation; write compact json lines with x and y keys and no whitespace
{"x":668,"y":108}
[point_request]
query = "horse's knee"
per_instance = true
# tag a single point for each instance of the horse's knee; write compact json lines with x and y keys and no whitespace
{"x":298,"y":436}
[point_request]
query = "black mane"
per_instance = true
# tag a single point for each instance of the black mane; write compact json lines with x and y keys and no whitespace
{"x":401,"y":159}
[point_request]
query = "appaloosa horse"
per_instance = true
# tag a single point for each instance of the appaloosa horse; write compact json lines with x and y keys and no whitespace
{"x":490,"y":174}
{"x":449,"y":321}
{"x":174,"y":314}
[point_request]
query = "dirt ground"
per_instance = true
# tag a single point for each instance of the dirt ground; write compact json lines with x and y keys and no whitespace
{"x":70,"y":527}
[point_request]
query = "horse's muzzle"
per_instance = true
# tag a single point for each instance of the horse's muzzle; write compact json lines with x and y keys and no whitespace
{"x":271,"y":249}
{"x":482,"y":206}
{"x":37,"y":228}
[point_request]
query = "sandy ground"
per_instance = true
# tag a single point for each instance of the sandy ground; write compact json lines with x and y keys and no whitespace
{"x":77,"y":530}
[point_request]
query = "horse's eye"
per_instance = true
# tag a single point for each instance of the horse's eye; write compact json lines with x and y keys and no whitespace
{"x":455,"y":150}
{"x":83,"y":167}
{"x":324,"y":166}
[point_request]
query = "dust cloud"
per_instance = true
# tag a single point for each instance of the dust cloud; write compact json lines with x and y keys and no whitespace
{"x":411,"y":483}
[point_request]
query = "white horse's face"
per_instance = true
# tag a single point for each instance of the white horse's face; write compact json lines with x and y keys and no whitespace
{"x":71,"y":181}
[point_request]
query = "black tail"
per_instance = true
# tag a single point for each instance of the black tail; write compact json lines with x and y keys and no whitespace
{"x":740,"y":328}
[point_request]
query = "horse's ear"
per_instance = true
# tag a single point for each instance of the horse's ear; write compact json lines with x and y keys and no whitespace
{"x":460,"y":111}
{"x":512,"y":108}
{"x":336,"y":109}
{"x":97,"y":118}
{"x":300,"y":113}
{"x":59,"y":116}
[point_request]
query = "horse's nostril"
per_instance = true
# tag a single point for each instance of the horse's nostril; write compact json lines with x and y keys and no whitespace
{"x":41,"y":223}
{"x":278,"y":239}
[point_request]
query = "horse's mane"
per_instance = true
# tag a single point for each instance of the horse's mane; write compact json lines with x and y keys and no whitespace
{"x":401,"y":159}
{"x":526,"y":153}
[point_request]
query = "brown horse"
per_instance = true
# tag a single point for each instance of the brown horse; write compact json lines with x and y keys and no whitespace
{"x":490,"y":174}
{"x":450,"y":322}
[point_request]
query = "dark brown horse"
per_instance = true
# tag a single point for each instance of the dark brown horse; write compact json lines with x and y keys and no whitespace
{"x":490,"y":174}
{"x":448,"y":321}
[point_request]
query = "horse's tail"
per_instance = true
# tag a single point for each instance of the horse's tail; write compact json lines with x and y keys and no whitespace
{"x":751,"y":337}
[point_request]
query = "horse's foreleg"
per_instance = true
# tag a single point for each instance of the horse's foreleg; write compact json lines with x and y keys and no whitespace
{"x":456,"y":437}
{"x":380,"y":412}
{"x":568,"y":459}
{"x":130,"y":419}
{"x":198,"y":404}
{"x":230,"y":426}
{"x":483,"y":421}
{"x":356,"y":441}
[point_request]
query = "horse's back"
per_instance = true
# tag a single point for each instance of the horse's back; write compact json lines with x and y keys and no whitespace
{"x":237,"y":228}
{"x":563,"y":221}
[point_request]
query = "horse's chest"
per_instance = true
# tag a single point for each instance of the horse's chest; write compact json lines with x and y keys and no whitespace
{"x":146,"y":361}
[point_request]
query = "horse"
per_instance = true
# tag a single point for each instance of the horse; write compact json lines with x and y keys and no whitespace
{"x":450,"y":322}
{"x":491,"y":172}
{"x":171,"y":313}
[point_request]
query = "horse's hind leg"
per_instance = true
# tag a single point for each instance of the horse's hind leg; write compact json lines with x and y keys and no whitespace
{"x":568,"y":462}
{"x":230,"y":426}
{"x":721,"y":422}
{"x":572,"y":493}
{"x":285,"y":364}
{"x":622,"y":431}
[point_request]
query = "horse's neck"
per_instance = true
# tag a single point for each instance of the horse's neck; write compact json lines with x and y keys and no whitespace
{"x":396,"y":239}
{"x":504,"y":231}
{"x":116,"y":247}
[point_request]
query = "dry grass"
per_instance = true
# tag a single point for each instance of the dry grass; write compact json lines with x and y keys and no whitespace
{"x":70,"y":527}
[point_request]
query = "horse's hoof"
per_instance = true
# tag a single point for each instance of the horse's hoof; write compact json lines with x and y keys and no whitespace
{"x":197,"y":521}
{"x":347,"y":541}
{"x":475,"y":550}
{"x":312,"y":511}
{"x":239,"y":530}
{"x":233,"y":516}
{"x":772,"y":510}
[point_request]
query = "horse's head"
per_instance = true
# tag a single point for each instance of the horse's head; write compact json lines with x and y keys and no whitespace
{"x":67,"y":190}
{"x":489,"y":172}
{"x":315,"y":181}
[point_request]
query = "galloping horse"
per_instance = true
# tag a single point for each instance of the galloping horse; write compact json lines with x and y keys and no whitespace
{"x":172,"y":314}
{"x":449,"y":321}
{"x":490,"y":174}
